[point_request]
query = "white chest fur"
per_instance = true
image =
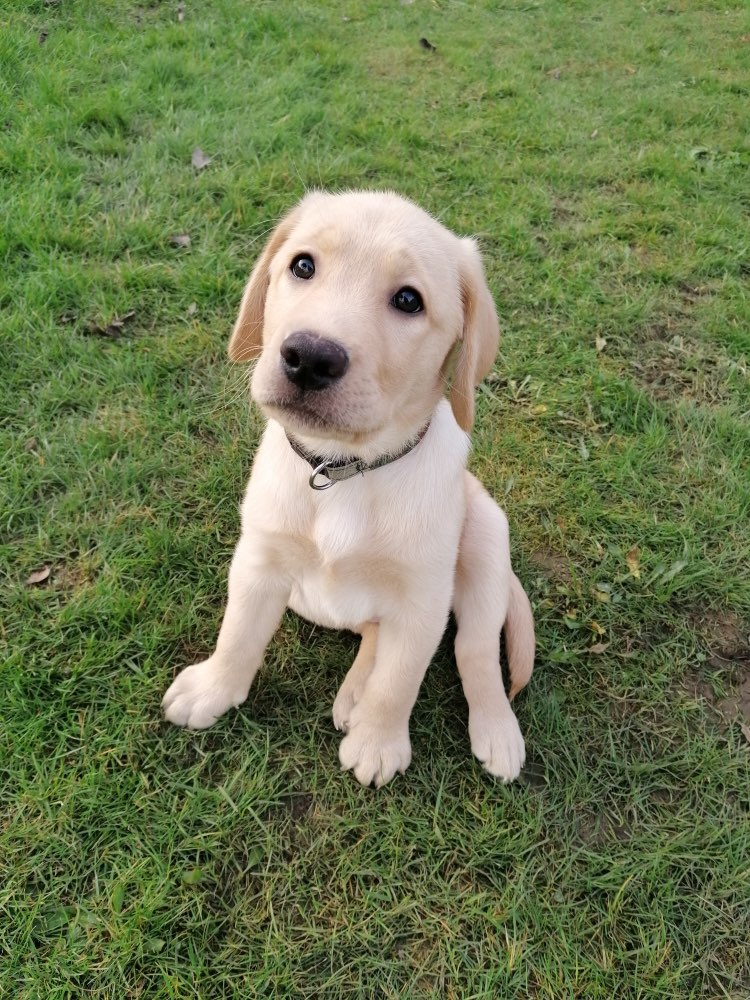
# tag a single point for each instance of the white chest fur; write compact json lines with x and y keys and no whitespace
{"x":355,"y":551}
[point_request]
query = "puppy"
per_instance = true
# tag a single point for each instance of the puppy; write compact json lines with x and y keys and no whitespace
{"x":363,"y":311}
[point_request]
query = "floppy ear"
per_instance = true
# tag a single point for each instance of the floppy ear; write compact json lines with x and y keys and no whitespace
{"x":479,"y":338}
{"x":247,"y":336}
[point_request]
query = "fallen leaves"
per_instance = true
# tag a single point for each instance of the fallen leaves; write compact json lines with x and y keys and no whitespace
{"x":65,"y":575}
{"x":632,"y":562}
{"x":199,"y":159}
{"x":597,"y":648}
{"x":192,"y":876}
{"x":180,"y":240}
{"x":38,"y":577}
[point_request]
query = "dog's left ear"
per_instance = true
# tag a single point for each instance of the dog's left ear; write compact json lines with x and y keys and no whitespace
{"x":247,"y":336}
{"x":479,"y":338}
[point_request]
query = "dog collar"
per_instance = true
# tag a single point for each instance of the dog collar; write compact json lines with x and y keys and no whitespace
{"x":336,"y":471}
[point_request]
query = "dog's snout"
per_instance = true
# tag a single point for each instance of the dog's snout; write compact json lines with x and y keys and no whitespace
{"x":312,"y":362}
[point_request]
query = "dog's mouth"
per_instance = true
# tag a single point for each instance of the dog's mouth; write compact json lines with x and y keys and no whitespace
{"x":302,"y":415}
{"x":300,"y":412}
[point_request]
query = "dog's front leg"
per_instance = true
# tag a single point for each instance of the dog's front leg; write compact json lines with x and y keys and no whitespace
{"x":354,"y":683}
{"x":258,"y":594}
{"x":377,"y":742}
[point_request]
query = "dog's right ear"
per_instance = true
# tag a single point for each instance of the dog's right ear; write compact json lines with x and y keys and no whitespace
{"x":247,"y":336}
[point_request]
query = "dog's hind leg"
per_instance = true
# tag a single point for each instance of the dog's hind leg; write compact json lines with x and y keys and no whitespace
{"x":487,"y":597}
{"x":354,"y":683}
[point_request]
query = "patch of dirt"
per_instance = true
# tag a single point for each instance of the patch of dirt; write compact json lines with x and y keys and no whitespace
{"x":737,"y":705}
{"x":73,"y":575}
{"x":563,"y":210}
{"x":727,"y":635}
{"x":534,"y":775}
{"x":729,"y":709}
{"x":691,"y":292}
{"x":722,"y":682}
{"x":598,"y":830}
{"x":299,"y":805}
{"x":672,"y":365}
{"x":553,"y":565}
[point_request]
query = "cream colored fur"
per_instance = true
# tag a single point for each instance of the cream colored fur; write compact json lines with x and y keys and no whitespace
{"x":388,"y":553}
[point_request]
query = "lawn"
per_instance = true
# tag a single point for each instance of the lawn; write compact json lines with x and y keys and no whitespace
{"x":600,"y":153}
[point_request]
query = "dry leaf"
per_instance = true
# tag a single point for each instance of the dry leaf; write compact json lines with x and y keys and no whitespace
{"x":200,"y":160}
{"x":192,"y":309}
{"x":601,"y":343}
{"x":631,"y":559}
{"x":745,"y":731}
{"x":594,"y":134}
{"x":601,"y":593}
{"x":181,"y":240}
{"x":38,"y":576}
{"x":538,"y":409}
{"x":554,"y":74}
{"x":631,"y":70}
{"x":598,"y":647}
{"x":180,"y":11}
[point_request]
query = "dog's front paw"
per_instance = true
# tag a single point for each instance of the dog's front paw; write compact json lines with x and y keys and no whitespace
{"x":497,"y":742}
{"x":199,"y":695}
{"x":374,"y":754}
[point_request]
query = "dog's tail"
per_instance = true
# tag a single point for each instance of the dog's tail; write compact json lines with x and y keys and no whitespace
{"x":519,"y":638}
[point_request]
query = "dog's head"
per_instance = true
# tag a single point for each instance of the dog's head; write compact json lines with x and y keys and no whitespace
{"x":356,"y":309}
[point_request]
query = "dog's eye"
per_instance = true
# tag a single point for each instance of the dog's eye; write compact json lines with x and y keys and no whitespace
{"x":302,"y":267}
{"x":407,"y":300}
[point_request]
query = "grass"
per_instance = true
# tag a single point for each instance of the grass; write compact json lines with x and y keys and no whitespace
{"x":601,"y":156}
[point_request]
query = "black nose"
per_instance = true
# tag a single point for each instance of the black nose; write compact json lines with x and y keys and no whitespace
{"x":312,"y":362}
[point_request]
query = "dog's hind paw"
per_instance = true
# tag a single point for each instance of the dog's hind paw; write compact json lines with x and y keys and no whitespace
{"x":496,"y":741}
{"x":349,"y":694}
{"x":342,"y":708}
{"x":199,"y":696}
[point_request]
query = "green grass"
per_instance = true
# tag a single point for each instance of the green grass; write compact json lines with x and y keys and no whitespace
{"x":601,"y":154}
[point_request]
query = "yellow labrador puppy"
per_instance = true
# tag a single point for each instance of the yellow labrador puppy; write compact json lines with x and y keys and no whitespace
{"x":359,"y":513}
